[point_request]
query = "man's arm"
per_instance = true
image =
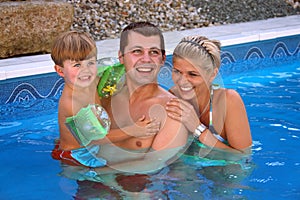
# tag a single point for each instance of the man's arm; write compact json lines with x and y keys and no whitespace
{"x":151,"y":162}
{"x":172,"y":134}
{"x":169,"y":141}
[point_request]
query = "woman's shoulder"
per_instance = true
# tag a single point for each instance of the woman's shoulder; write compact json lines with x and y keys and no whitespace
{"x":227,"y":96}
{"x":232,"y":97}
{"x":228,"y":93}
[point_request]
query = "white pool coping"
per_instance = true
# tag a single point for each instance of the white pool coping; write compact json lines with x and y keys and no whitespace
{"x":228,"y":35}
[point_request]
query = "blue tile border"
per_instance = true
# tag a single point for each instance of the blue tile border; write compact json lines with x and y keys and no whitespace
{"x":26,"y":89}
{"x":259,"y":54}
{"x":275,"y":48}
{"x":30,"y":88}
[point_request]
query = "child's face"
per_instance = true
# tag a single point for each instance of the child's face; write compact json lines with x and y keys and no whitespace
{"x":79,"y":73}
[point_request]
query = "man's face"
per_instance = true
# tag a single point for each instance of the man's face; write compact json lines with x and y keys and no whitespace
{"x":142,"y":58}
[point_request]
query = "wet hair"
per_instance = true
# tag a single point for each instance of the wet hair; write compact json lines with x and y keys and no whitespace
{"x":199,"y":49}
{"x":73,"y":45}
{"x":144,"y":28}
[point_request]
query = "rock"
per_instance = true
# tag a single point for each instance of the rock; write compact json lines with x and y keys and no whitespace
{"x":29,"y":27}
{"x":106,"y":19}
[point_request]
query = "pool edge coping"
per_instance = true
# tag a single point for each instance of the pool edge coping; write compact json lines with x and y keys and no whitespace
{"x":231,"y":34}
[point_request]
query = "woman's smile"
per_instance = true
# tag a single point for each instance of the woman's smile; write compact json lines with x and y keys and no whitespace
{"x":186,"y":89}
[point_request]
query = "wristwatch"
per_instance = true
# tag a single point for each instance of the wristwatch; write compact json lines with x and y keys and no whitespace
{"x":199,"y":130}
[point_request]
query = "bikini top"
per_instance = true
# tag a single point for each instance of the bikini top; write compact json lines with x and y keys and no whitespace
{"x":211,"y":126}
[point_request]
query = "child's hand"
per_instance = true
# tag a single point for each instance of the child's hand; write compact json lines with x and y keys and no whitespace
{"x":143,"y":127}
{"x":147,"y":127}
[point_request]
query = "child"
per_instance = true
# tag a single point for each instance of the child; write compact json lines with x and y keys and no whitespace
{"x":75,"y":56}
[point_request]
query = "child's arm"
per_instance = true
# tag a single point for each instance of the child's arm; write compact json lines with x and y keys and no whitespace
{"x":67,"y":140}
{"x":142,"y":128}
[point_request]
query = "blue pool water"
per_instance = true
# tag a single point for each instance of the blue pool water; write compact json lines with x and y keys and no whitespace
{"x":270,"y":88}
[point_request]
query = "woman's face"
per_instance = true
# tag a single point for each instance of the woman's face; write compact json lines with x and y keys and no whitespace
{"x":189,"y":80}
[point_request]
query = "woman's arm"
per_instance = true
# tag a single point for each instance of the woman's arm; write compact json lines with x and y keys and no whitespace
{"x":237,"y":130}
{"x":235,"y":125}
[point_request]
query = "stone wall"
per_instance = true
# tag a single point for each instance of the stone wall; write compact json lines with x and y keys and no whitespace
{"x":29,"y":27}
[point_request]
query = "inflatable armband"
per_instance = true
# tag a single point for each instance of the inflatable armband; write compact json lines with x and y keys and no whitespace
{"x":112,"y":76}
{"x":90,"y":123}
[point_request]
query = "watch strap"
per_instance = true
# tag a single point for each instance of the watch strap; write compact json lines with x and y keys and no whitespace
{"x":199,"y":130}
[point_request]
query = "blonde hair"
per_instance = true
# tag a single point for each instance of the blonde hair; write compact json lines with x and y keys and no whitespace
{"x":199,"y":49}
{"x":73,"y":45}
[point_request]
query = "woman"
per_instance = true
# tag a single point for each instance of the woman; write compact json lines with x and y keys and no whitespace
{"x":216,"y":116}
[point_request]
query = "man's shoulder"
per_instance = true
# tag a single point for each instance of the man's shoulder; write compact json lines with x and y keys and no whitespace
{"x":164,"y":95}
{"x":167,"y":93}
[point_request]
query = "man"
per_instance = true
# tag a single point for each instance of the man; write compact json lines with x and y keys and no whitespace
{"x":142,"y":53}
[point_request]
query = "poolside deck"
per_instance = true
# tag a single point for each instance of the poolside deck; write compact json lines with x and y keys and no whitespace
{"x":228,"y":35}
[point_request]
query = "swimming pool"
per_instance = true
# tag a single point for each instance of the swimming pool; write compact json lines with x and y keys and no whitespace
{"x":266,"y":74}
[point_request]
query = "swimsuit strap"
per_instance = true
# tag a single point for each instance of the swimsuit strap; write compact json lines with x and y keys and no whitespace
{"x":212,"y":88}
{"x":210,"y":106}
{"x":211,"y":126}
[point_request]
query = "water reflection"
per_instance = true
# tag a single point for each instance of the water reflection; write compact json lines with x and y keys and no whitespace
{"x":218,"y":175}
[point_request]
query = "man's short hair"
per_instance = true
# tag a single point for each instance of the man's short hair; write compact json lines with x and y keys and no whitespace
{"x":144,"y":28}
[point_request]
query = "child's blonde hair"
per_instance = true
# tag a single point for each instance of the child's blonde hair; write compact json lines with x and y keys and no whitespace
{"x":73,"y":45}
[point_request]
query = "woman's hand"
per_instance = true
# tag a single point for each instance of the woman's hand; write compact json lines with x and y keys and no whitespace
{"x":184,"y":112}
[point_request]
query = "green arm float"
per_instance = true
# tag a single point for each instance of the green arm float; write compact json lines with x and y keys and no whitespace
{"x":112,"y":79}
{"x":90,"y":123}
